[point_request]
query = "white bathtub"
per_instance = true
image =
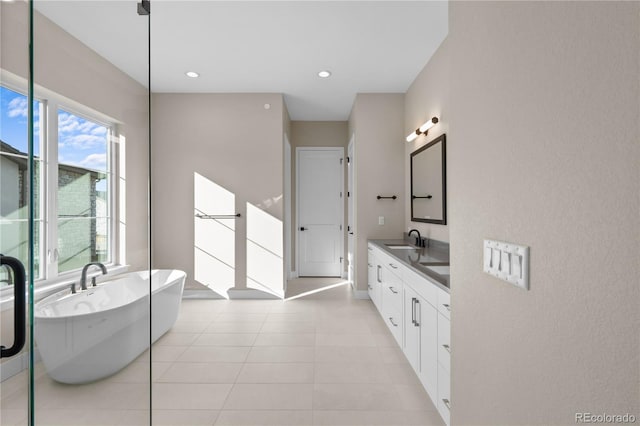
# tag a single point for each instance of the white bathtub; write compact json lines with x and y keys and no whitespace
{"x":92,"y":334}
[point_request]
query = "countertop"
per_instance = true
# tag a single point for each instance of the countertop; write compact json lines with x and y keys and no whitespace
{"x":437,"y":253}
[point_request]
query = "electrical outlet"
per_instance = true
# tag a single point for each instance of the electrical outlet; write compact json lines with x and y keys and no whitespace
{"x":380,"y":220}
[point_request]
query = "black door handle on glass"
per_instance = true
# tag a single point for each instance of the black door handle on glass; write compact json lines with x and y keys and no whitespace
{"x":19,"y":308}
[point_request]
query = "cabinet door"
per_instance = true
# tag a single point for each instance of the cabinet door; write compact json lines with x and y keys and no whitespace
{"x":371,"y":277}
{"x":427,"y":318}
{"x":411,"y":328}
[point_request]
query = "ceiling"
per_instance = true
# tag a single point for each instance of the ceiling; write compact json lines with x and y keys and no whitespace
{"x":265,"y":46}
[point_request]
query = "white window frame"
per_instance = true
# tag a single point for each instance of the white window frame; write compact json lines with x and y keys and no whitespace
{"x":51,"y":103}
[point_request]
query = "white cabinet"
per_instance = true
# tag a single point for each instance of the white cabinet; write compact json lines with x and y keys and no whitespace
{"x":421,"y":339}
{"x":418,"y":314}
{"x":373,"y":277}
{"x":392,"y":312}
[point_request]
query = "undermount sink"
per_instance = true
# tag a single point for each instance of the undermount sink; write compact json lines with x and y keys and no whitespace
{"x":439,"y":269}
{"x":400,"y":247}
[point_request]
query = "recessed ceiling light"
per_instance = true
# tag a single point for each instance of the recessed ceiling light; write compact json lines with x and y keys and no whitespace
{"x":324,"y":74}
{"x":192,"y":74}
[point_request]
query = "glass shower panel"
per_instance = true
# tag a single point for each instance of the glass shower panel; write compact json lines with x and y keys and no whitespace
{"x":16,"y":194}
{"x":92,"y":306}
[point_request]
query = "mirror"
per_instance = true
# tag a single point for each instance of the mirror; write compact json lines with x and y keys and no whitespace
{"x":429,"y":183}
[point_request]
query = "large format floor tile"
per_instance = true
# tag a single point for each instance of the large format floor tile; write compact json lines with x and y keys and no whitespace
{"x":321,"y":357}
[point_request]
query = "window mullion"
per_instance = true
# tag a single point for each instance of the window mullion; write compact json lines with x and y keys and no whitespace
{"x":52,"y":190}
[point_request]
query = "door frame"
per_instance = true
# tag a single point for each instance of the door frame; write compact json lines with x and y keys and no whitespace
{"x":297,"y":207}
{"x":351,"y":212}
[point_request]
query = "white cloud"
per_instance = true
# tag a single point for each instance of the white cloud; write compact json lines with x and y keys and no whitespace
{"x":94,"y":161}
{"x":79,"y":133}
{"x":17,"y":107}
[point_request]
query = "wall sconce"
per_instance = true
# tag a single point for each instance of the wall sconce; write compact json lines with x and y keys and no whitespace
{"x":422,"y":130}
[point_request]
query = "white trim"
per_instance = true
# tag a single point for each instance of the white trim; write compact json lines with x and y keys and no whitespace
{"x":361,"y":294}
{"x":17,"y":364}
{"x":250,"y":293}
{"x":201,"y":294}
{"x":297,"y":207}
{"x":287,"y":211}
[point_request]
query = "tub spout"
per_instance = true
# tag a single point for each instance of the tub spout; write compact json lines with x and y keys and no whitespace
{"x":83,"y":278}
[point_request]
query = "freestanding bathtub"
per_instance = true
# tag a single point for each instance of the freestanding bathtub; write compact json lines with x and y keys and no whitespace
{"x":92,"y":334}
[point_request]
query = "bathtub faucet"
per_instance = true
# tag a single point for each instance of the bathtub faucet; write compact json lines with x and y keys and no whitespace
{"x":83,"y":278}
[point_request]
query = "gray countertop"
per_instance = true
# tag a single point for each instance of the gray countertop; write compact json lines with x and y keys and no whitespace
{"x":437,"y":253}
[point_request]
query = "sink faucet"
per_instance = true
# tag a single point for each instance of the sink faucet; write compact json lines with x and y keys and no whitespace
{"x":83,"y":278}
{"x":419,"y":242}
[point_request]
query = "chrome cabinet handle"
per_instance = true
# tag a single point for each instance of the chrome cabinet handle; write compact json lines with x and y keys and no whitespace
{"x":447,"y":347}
{"x":369,"y":248}
{"x":393,"y":266}
{"x":413,"y":310}
{"x":392,"y":290}
{"x":417,"y":311}
{"x":378,"y":274}
{"x":391,"y":321}
{"x":447,"y":403}
{"x":370,"y":265}
{"x":447,"y":306}
{"x":369,"y":287}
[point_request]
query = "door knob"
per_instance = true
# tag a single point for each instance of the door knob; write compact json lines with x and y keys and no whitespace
{"x":302,"y":228}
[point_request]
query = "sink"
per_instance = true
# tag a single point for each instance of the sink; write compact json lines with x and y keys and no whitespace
{"x":400,"y":247}
{"x":439,"y":269}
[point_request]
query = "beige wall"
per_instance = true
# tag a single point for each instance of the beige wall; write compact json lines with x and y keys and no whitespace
{"x":231,"y":140}
{"x":315,"y":134}
{"x":544,"y":152}
{"x":428,"y":96}
{"x":66,"y":66}
{"x":377,"y":123}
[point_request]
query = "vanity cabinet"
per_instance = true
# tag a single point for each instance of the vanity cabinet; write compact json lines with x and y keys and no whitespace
{"x":418,"y":314}
{"x":373,"y":278}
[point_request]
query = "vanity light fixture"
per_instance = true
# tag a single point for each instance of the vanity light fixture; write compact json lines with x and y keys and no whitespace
{"x":192,"y":74}
{"x":422,"y":130}
{"x":324,"y":74}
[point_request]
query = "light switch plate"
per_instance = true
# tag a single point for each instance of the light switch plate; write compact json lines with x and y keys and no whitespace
{"x":380,"y":220}
{"x":508,"y":262}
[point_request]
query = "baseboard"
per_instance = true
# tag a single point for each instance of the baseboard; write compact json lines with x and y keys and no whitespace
{"x":250,"y":293}
{"x":200,"y":294}
{"x":361,"y":294}
{"x":16,"y":364}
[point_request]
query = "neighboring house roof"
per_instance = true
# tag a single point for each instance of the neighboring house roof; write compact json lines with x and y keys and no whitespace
{"x":18,"y":157}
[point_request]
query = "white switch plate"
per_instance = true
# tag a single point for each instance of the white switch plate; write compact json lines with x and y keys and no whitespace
{"x":508,"y":262}
{"x":380,"y":220}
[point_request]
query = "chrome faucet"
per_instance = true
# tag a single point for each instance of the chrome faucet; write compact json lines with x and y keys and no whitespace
{"x":419,"y":240}
{"x":83,"y":278}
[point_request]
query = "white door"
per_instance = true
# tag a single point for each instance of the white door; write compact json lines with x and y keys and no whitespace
{"x":351,"y":226}
{"x":320,"y":210}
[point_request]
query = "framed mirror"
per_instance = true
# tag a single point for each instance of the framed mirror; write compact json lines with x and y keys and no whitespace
{"x":429,"y":182}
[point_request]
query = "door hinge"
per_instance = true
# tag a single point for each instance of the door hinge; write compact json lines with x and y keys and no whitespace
{"x":341,"y":160}
{"x":340,"y":194}
{"x":341,"y":260}
{"x":348,"y":194}
{"x":341,"y":227}
{"x":348,"y":228}
{"x":348,"y":160}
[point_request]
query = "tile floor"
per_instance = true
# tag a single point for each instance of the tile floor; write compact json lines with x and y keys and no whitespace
{"x":323,"y":358}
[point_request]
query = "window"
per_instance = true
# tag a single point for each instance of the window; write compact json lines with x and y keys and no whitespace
{"x":83,"y":192}
{"x":14,"y":178}
{"x":73,"y":186}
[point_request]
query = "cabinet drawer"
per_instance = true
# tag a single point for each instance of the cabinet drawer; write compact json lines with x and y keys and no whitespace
{"x":391,"y":293}
{"x":444,"y":342}
{"x":393,"y":265}
{"x":393,"y":319}
{"x":444,"y":394}
{"x":444,"y":303}
{"x":425,"y":288}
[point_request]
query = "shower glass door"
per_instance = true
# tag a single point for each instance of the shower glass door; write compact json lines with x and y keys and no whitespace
{"x":74,"y":211}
